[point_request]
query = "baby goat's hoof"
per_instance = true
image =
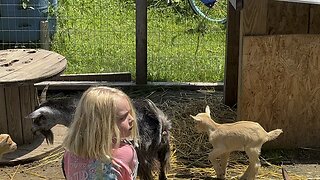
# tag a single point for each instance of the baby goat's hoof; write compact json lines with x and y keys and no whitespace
{"x":222,"y":176}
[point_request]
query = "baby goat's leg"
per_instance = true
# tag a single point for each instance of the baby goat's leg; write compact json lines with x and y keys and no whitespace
{"x":214,"y":154}
{"x":223,"y":162}
{"x":252,"y":170}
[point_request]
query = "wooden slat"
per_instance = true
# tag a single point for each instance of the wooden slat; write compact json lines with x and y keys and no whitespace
{"x":253,"y":21}
{"x":288,"y":18}
{"x":3,"y":113}
{"x":232,"y":57}
{"x":280,"y":88}
{"x":27,"y":106}
{"x":83,"y":85}
{"x":254,"y":17}
{"x":303,"y":1}
{"x":113,"y":77}
{"x":14,"y":113}
{"x":314,"y":19}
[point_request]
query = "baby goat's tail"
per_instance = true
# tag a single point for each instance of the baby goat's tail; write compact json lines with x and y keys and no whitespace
{"x":274,"y":134}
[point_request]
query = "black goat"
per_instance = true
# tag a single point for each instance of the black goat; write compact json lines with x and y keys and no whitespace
{"x":153,"y":125}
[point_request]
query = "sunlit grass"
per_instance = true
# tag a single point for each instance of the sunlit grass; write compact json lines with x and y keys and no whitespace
{"x":99,"y":36}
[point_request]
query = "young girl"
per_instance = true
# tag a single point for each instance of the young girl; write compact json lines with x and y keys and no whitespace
{"x":97,"y":144}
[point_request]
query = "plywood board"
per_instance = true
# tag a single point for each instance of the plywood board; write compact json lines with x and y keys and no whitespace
{"x":280,"y":87}
{"x":254,"y":17}
{"x":287,"y":18}
{"x":314,"y":19}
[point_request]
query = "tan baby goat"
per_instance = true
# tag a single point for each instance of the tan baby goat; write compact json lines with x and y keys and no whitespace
{"x":239,"y":136}
{"x":6,"y":144}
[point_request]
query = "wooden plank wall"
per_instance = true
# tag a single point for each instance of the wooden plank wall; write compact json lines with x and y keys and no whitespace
{"x":267,"y":17}
{"x":27,"y":105}
{"x":16,"y":102}
{"x":3,"y":113}
{"x":314,"y":19}
{"x":14,"y":113}
{"x":276,"y":85}
{"x":287,"y":18}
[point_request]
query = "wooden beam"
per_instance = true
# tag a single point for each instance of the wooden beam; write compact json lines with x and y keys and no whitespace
{"x":83,"y":85}
{"x":287,"y":18}
{"x":232,"y":57}
{"x":237,"y":4}
{"x":44,"y":35}
{"x":303,"y":1}
{"x":112,"y":77}
{"x":314,"y":25}
{"x":141,"y":41}
{"x":254,"y":17}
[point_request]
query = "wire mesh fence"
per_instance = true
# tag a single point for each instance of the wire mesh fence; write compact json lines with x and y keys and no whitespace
{"x":98,"y":36}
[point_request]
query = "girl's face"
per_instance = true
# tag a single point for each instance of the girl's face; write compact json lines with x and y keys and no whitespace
{"x":124,"y":118}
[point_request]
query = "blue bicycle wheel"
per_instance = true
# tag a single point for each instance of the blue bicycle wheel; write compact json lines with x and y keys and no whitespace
{"x":212,"y":10}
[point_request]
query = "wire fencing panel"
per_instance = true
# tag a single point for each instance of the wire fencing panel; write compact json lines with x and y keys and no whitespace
{"x":183,"y":46}
{"x":98,"y":36}
{"x":24,"y":21}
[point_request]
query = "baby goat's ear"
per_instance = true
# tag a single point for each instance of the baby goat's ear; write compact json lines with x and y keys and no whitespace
{"x":208,"y":110}
{"x":4,"y":138}
{"x":195,"y":118}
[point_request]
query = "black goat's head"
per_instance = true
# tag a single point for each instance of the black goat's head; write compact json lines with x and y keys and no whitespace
{"x":50,"y":113}
{"x":44,"y":118}
{"x":164,"y":121}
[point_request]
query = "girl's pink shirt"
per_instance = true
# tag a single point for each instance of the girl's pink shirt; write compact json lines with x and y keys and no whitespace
{"x":124,"y":165}
{"x":125,"y":157}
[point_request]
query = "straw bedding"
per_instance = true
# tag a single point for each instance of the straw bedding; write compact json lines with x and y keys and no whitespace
{"x":189,"y":149}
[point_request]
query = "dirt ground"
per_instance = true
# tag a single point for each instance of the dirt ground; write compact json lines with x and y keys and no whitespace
{"x":189,"y":162}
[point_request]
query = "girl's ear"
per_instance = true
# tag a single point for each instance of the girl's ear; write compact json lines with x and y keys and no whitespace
{"x":208,"y":110}
{"x":195,"y":118}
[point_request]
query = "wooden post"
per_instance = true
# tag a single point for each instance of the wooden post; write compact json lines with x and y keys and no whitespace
{"x":44,"y":35}
{"x":141,"y":42}
{"x":232,"y":57}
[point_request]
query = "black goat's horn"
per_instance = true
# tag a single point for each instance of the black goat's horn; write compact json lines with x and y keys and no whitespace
{"x":43,"y":96}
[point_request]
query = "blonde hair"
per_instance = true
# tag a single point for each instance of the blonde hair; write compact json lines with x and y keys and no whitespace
{"x":94,"y":131}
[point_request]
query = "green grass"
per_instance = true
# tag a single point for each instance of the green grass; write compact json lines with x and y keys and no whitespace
{"x":98,"y":36}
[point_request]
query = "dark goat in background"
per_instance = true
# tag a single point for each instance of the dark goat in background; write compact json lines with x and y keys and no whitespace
{"x":153,"y":125}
